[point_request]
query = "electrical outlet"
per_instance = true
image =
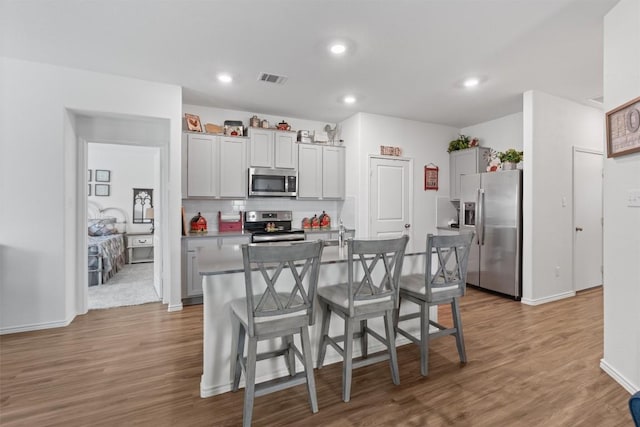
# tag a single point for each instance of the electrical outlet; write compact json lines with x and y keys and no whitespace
{"x":557,"y":271}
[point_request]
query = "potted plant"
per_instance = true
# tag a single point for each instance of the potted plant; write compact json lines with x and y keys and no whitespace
{"x":459,"y":144}
{"x":510,"y":158}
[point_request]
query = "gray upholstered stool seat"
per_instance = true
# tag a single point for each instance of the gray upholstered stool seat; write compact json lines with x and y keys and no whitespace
{"x":374,"y":268}
{"x":281,"y":283}
{"x":443,"y":282}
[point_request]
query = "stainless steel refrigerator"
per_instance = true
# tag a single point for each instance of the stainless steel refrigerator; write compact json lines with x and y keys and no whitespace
{"x":491,"y":205}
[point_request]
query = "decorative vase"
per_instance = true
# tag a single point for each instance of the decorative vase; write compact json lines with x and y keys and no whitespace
{"x":508,"y":166}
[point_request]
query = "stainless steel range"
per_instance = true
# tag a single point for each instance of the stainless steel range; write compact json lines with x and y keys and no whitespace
{"x":271,"y":226}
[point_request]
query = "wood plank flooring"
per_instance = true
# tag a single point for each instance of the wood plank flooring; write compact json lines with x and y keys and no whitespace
{"x":528,"y":366}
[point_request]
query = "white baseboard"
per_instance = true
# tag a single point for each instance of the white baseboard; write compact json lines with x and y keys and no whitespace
{"x":618,"y":377}
{"x":175,"y":307}
{"x":36,"y":326}
{"x":550,"y":298}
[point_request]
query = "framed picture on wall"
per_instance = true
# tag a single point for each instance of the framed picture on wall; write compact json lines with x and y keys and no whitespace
{"x":89,"y":176}
{"x":103,"y":175}
{"x":89,"y":192}
{"x":102,"y":189}
{"x":623,"y":129}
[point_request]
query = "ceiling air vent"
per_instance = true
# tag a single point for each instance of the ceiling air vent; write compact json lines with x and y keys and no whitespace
{"x":272,"y":78}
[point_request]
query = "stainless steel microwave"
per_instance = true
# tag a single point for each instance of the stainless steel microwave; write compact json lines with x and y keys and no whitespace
{"x":273,"y":182}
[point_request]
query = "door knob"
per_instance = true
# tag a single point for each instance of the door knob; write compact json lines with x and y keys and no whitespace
{"x":578,"y":228}
{"x":407,"y":226}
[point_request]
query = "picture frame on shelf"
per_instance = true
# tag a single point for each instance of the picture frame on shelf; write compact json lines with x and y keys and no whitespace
{"x":193,"y":122}
{"x":102,"y":189}
{"x":623,"y":129}
{"x":103,"y":175}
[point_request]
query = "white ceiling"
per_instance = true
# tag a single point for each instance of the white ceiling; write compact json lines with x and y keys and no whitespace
{"x":407,"y":57}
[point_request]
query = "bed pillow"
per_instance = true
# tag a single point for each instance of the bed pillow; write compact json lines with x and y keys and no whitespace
{"x":102,"y":227}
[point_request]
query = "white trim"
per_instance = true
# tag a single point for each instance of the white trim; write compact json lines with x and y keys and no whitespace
{"x":573,"y":210}
{"x":550,"y":298}
{"x":618,"y":377}
{"x":175,"y":307}
{"x":36,"y":326}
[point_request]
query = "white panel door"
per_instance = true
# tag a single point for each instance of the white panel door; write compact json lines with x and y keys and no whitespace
{"x":587,"y":219}
{"x":389,"y":192}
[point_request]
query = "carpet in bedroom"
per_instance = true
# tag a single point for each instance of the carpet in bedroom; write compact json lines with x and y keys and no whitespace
{"x":133,"y":285}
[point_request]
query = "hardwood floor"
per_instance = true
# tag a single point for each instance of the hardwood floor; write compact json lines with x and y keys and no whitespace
{"x":528,"y":366}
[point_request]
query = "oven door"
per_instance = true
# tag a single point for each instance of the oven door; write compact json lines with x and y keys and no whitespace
{"x":271,"y":182}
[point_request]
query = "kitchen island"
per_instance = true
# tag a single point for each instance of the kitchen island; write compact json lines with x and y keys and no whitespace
{"x":222,"y":274}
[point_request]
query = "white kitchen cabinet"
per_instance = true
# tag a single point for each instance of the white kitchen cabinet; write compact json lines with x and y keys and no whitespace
{"x":463,"y":162}
{"x":191,"y":247}
{"x":216,"y":166}
{"x":321,"y":171}
{"x":273,"y":149}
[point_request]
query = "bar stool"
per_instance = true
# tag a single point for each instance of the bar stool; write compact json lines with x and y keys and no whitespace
{"x":281,"y":283}
{"x":443,"y":282}
{"x":373,"y":294}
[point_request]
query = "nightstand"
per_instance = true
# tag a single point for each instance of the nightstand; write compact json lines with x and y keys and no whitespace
{"x":140,"y":247}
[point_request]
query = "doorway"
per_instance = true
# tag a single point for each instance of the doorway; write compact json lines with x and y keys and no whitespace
{"x":587,"y":218}
{"x":121,"y":251}
{"x":390,"y":192}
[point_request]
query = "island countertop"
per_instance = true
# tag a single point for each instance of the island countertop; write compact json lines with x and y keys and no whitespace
{"x":228,"y":259}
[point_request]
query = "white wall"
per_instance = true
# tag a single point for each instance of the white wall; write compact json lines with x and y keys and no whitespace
{"x":423,"y":142}
{"x":552,"y":126}
{"x":499,"y":134}
{"x":131,"y":167}
{"x":622,"y":223}
{"x":38,"y":169}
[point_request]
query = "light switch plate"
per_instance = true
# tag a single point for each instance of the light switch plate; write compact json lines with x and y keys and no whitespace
{"x":633,"y":198}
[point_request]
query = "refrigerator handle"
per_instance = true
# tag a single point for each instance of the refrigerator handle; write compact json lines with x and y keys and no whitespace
{"x":480,"y":216}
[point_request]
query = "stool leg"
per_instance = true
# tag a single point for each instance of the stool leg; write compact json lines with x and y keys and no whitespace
{"x":347,"y":361}
{"x":308,"y":368}
{"x":457,"y":323}
{"x":391,"y":346}
{"x":424,"y":339}
{"x":364,"y":341}
{"x":324,"y":331}
{"x":236,"y":366}
{"x":291,"y":356}
{"x":250,"y":386}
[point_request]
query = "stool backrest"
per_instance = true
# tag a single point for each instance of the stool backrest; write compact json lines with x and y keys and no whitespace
{"x":381,"y":265}
{"x":286,"y":279}
{"x":446,"y":275}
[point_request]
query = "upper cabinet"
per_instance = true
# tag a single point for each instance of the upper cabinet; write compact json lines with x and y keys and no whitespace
{"x":321,"y":172}
{"x":216,"y":166}
{"x":272,"y":149}
{"x":463,"y":162}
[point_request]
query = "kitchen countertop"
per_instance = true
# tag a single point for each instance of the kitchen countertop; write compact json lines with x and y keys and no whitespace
{"x":228,"y":259}
{"x":248,"y":233}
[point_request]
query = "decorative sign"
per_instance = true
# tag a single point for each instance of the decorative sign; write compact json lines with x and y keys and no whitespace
{"x":623,"y":129}
{"x":386,"y":150}
{"x":431,"y":177}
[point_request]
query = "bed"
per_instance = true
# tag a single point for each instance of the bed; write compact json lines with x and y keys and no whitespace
{"x":106,"y":250}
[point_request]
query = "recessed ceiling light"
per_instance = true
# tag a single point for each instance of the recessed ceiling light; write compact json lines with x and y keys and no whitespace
{"x":225,"y":78}
{"x":338,"y":48}
{"x":471,"y":82}
{"x":349,"y":99}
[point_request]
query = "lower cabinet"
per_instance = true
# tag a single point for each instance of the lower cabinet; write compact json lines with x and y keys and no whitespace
{"x":191,"y":279}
